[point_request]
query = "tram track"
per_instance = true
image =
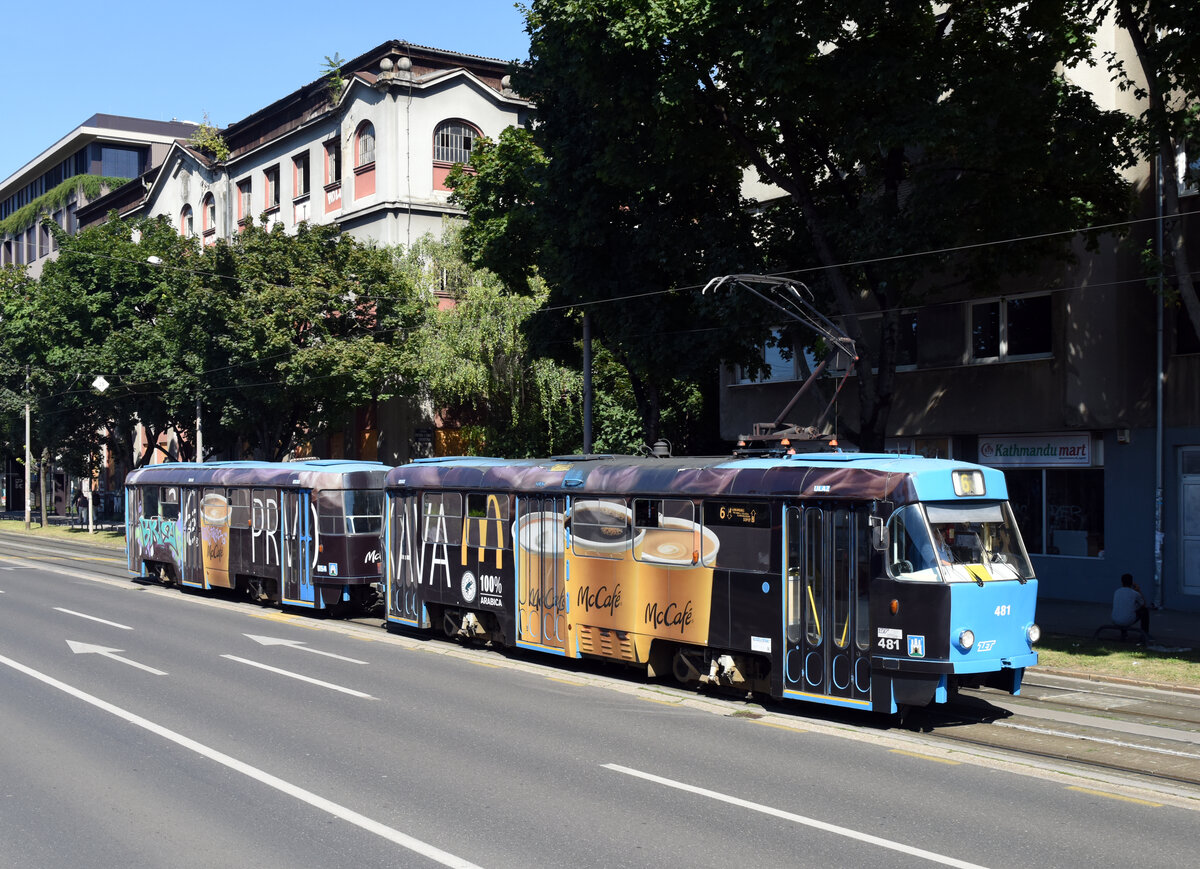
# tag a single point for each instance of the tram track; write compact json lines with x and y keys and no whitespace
{"x":1098,"y":740}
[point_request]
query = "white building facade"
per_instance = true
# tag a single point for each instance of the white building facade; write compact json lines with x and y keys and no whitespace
{"x":373,"y":160}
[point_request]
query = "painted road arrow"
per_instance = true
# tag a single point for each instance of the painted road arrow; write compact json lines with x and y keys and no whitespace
{"x":296,"y":644}
{"x":89,"y":649}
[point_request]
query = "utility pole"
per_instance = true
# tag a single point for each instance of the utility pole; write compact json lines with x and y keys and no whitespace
{"x":28,"y":454}
{"x":199,"y":437}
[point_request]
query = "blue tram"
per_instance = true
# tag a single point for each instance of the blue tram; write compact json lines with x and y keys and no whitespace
{"x":867,"y":581}
{"x":304,"y":534}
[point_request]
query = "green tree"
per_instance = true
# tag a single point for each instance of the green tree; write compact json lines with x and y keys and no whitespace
{"x":476,"y":358}
{"x":317,"y":327}
{"x":624,"y":212}
{"x":891,"y":131}
{"x":1166,"y":82}
{"x":119,"y":301}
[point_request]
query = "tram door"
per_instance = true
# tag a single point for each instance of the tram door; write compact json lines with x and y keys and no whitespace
{"x":827,"y":620}
{"x":192,"y":556}
{"x":541,"y":573}
{"x":404,"y":559}
{"x":296,"y":536}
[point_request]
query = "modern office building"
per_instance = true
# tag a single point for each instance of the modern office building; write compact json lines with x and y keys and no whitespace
{"x":99,"y":155}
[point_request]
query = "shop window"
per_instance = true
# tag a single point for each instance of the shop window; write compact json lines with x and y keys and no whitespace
{"x":1060,"y":511}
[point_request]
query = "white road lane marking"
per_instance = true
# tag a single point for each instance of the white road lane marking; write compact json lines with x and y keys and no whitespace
{"x":299,"y":793}
{"x":799,"y":819}
{"x":298,"y":644}
{"x":94,"y":618}
{"x":302,"y":678}
{"x":111,"y":654}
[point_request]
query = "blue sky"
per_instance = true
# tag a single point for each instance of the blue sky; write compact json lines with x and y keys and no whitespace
{"x":68,"y":60}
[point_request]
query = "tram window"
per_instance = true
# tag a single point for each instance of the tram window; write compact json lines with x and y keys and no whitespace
{"x":842,"y":567}
{"x":239,"y":512}
{"x":665,"y":531}
{"x":601,"y":528}
{"x":485,"y":512}
{"x":911,"y":555}
{"x":264,"y":510}
{"x":169,"y":502}
{"x":795,"y":575}
{"x":862,"y":568}
{"x":443,"y":518}
{"x":737,"y":535}
{"x":813,"y":567}
{"x":150,"y":501}
{"x":977,"y":542}
{"x":364,"y":511}
{"x":330,"y":518}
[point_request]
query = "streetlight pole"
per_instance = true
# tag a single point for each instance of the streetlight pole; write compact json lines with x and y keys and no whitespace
{"x":199,"y":436}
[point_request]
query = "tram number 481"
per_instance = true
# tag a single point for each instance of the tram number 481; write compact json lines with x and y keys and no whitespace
{"x":1003,"y":610}
{"x":891,"y":644}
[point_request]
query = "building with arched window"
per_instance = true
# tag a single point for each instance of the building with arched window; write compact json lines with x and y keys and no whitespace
{"x":371,"y":157}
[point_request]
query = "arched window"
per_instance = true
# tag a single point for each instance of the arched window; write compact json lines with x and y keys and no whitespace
{"x":187,"y":228}
{"x":452,"y":142}
{"x":364,"y":144}
{"x":209,"y":209}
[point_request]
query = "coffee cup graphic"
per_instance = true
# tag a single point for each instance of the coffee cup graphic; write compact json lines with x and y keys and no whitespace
{"x":541,"y":578}
{"x":675,"y":572}
{"x":214,"y":539}
{"x":601,"y":569}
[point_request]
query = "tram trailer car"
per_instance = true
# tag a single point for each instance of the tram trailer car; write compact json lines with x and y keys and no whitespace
{"x":875,"y":582}
{"x":303,"y":534}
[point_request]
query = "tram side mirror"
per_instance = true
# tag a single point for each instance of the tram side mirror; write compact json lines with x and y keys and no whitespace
{"x":880,"y":538}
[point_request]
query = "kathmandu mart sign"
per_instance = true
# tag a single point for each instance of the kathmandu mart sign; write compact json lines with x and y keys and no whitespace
{"x":1013,"y":451}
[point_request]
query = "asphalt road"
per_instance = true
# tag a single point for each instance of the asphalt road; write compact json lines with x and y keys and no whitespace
{"x":144,"y":726}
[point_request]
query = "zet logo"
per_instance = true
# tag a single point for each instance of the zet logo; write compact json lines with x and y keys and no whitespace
{"x":986,"y":645}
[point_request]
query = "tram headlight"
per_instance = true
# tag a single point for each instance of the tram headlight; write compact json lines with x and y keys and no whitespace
{"x":1033,"y":633}
{"x":966,"y":640}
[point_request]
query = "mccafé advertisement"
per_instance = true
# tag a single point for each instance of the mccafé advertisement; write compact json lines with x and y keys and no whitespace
{"x":1014,"y":451}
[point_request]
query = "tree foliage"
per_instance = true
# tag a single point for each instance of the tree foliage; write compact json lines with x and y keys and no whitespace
{"x":476,"y":360}
{"x":892,"y":131}
{"x":279,"y":336}
{"x":622,"y":207}
{"x":1166,"y":82}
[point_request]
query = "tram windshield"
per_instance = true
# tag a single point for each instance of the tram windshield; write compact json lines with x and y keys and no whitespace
{"x":351,"y":511}
{"x":957,"y":542}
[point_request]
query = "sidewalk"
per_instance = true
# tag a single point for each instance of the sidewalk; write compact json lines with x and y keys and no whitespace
{"x":1079,"y":619}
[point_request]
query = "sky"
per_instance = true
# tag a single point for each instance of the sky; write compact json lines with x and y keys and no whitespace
{"x":69,"y":60}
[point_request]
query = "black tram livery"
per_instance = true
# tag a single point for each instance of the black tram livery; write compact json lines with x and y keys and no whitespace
{"x":303,"y":534}
{"x":867,"y":581}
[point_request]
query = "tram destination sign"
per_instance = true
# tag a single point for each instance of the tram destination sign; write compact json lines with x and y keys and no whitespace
{"x":1009,"y":451}
{"x":754,"y":514}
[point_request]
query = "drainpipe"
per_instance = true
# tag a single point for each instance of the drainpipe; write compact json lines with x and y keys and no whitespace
{"x":1159,"y":378}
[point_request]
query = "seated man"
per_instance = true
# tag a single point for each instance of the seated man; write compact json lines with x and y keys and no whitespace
{"x":1129,"y":606}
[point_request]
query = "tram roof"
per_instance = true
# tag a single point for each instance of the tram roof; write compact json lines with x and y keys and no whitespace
{"x":312,"y":473}
{"x":838,"y":476}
